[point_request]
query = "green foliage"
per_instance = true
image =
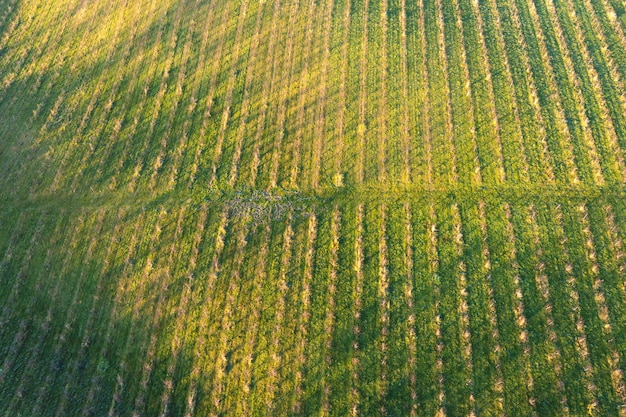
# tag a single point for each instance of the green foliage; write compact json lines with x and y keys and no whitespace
{"x":332,"y":207}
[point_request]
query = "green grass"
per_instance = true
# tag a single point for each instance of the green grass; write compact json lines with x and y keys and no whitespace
{"x":370,"y":207}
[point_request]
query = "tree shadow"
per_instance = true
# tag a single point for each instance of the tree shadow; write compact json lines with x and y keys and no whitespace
{"x":49,"y":89}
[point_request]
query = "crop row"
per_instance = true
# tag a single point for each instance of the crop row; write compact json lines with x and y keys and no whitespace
{"x":252,"y":94}
{"x":396,"y":307}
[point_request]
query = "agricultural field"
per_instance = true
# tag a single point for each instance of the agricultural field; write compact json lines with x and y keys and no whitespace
{"x":322,"y":207}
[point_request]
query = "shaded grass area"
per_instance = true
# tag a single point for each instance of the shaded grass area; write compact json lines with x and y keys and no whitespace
{"x":91,"y":307}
